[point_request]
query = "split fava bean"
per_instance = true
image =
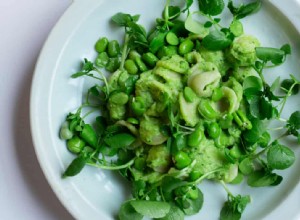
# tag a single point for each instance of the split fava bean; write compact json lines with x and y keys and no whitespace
{"x":172,"y":39}
{"x":102,"y":59}
{"x":101,"y":45}
{"x":65,"y":133}
{"x":189,"y":94}
{"x":206,"y":110}
{"x":214,"y":130}
{"x":113,"y":64}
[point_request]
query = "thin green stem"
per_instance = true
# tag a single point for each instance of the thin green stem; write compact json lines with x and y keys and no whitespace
{"x":124,"y":51}
{"x":111,"y":167}
{"x":226,"y":188}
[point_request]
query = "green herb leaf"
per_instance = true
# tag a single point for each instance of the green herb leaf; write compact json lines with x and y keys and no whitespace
{"x":173,"y":12}
{"x":189,"y":3}
{"x":293,"y":124}
{"x":234,"y":207}
{"x":194,"y":205}
{"x":211,"y":7}
{"x":280,"y":157}
{"x":87,"y":67}
{"x":263,"y":178}
{"x":121,"y":140}
{"x":216,"y":40}
{"x":257,"y":130}
{"x":122,"y":19}
{"x":75,"y":167}
{"x":195,"y":26}
{"x":151,"y":209}
{"x":244,"y":10}
{"x":127,"y":212}
{"x":287,"y":84}
{"x":157,"y":40}
{"x":175,"y":213}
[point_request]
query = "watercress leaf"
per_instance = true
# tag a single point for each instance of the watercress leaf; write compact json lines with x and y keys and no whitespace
{"x":276,"y":56}
{"x":188,"y":5}
{"x":261,"y":178}
{"x":275,"y":84}
{"x":78,"y":74}
{"x":244,"y":10}
{"x":236,"y":28}
{"x":194,"y":204}
{"x":234,"y":207}
{"x":157,"y":40}
{"x":175,"y":213}
{"x":266,"y":109}
{"x":173,"y":12}
{"x":253,"y":82}
{"x":89,"y":135}
{"x":127,"y":212}
{"x":208,"y":24}
{"x":122,"y":19}
{"x":169,"y":184}
{"x":294,"y":120}
{"x":286,"y":48}
{"x":151,"y":209}
{"x":211,"y":7}
{"x":264,"y":139}
{"x":216,"y":40}
{"x":246,"y":166}
{"x":280,"y":157}
{"x":257,"y":129}
{"x":195,"y":26}
{"x":287,"y":84}
{"x":75,"y":167}
{"x":121,"y":140}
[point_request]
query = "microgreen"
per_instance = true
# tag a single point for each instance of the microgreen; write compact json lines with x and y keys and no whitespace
{"x":211,"y":7}
{"x":244,"y":10}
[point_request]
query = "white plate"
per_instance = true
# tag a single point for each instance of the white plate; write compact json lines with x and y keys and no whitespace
{"x":97,"y":194}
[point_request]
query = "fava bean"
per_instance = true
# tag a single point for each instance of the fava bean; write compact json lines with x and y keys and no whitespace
{"x":182,"y":160}
{"x":75,"y":145}
{"x":150,"y":59}
{"x":133,"y":121}
{"x":194,"y":175}
{"x":213,"y":130}
{"x":101,"y":45}
{"x":172,"y":39}
{"x":140,"y":163}
{"x":166,"y":51}
{"x":217,"y":94}
{"x":65,"y":132}
{"x":113,"y":64}
{"x":131,"y":67}
{"x":189,"y":94}
{"x":185,"y":47}
{"x":119,"y":98}
{"x":138,"y":106}
{"x":206,"y":110}
{"x":141,"y":65}
{"x":89,"y":135}
{"x":102,"y":59}
{"x":195,"y":137}
{"x":113,"y":48}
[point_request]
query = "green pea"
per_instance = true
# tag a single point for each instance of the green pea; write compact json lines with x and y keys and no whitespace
{"x":131,"y":67}
{"x":185,"y":47}
{"x":213,"y":130}
{"x":182,"y":160}
{"x":75,"y":145}
{"x":113,"y":48}
{"x":138,"y":106}
{"x":102,"y":59}
{"x":235,"y":152}
{"x":206,"y":110}
{"x":166,"y":51}
{"x":150,"y":59}
{"x":113,"y":64}
{"x":140,"y":163}
{"x":65,"y":133}
{"x":141,"y":65}
{"x":172,"y":39}
{"x":133,"y":121}
{"x":195,"y":137}
{"x":193,"y":193}
{"x":119,"y":98}
{"x":217,"y":94}
{"x":101,"y":45}
{"x":189,"y":94}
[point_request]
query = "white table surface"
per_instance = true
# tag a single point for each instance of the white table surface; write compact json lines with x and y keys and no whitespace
{"x":24,"y":191}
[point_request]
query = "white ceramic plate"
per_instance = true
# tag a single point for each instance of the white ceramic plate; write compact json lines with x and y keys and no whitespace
{"x":97,"y":194}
